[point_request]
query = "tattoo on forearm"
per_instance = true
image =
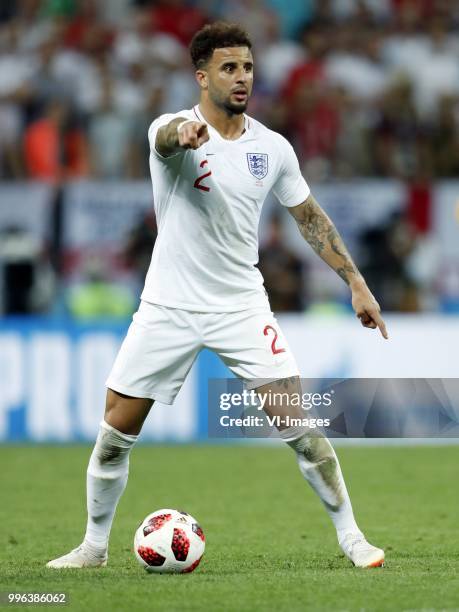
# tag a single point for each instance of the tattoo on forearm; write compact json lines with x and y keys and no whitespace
{"x":167,"y":138}
{"x":317,"y":229}
{"x":345,"y":272}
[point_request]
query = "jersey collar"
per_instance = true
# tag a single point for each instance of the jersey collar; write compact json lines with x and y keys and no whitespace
{"x":247,"y":126}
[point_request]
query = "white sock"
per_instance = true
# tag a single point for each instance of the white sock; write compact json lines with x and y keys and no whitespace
{"x":319,"y":465}
{"x":106,"y":480}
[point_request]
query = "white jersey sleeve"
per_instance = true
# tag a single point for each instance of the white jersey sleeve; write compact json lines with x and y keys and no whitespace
{"x":153,"y":131}
{"x":290,"y":187}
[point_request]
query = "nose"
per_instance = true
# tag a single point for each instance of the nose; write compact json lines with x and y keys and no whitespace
{"x":242,"y":76}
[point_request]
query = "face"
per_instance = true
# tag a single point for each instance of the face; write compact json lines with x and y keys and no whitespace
{"x":228,"y":79}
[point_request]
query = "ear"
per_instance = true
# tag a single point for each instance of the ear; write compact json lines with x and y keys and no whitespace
{"x":201,"y":77}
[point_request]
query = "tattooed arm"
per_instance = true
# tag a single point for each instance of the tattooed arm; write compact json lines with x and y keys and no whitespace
{"x":317,"y":228}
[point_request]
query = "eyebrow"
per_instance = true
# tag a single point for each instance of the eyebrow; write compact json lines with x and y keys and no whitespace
{"x":234,"y":63}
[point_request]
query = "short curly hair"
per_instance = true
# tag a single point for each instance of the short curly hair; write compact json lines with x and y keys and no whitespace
{"x":217,"y":35}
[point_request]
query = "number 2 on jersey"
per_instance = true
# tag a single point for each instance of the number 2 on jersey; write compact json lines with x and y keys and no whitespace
{"x":198,"y":181}
{"x":274,"y":348}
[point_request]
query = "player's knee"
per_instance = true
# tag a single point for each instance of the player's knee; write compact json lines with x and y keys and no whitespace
{"x":112,"y":404}
{"x":283,"y":387}
{"x":126,"y":414}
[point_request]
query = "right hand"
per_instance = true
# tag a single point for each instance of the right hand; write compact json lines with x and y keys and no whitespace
{"x":192,"y":135}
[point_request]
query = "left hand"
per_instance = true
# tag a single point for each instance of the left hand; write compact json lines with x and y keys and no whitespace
{"x":368,"y":310}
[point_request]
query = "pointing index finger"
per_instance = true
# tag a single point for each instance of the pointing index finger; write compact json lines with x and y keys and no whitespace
{"x":377,"y":318}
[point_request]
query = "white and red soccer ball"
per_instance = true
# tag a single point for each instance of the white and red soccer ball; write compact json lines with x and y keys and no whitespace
{"x":169,"y":542}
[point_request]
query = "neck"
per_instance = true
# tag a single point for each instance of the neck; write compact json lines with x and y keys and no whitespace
{"x":228,"y":126}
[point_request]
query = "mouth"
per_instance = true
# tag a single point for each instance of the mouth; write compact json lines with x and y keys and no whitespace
{"x":241,"y":95}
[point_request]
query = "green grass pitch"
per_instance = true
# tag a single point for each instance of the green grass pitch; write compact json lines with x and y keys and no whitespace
{"x":270,"y":545}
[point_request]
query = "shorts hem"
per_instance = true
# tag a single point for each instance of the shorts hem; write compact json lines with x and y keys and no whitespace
{"x":255,"y":383}
{"x":131,"y":391}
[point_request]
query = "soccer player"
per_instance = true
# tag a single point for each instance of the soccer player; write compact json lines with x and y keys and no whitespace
{"x":212,"y":167}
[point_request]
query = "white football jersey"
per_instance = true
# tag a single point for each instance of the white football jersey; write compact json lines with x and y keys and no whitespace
{"x":208,"y":203}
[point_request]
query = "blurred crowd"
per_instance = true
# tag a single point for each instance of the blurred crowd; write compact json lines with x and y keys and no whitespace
{"x":362,"y":88}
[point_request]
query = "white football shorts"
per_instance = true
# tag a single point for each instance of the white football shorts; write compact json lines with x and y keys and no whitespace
{"x":162,"y":344}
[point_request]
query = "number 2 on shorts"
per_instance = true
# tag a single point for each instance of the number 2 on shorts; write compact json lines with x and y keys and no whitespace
{"x":274,"y":348}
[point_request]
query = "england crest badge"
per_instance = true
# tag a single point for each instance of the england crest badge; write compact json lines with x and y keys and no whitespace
{"x":258,"y":164}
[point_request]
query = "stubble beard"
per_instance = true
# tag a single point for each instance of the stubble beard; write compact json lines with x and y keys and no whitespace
{"x":232,"y":109}
{"x":227,"y":106}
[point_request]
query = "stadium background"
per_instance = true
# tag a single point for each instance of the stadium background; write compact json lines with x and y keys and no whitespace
{"x":368,"y":93}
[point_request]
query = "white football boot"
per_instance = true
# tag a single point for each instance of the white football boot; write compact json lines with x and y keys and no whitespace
{"x":77,"y":558}
{"x":360,"y":552}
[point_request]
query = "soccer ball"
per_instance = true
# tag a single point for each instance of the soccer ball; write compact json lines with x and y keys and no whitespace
{"x":169,"y":542}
